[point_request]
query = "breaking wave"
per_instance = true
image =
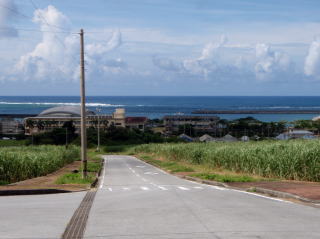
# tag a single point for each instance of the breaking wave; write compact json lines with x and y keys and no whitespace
{"x":60,"y":103}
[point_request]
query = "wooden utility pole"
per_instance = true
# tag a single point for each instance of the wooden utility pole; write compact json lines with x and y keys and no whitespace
{"x":83,"y":110}
{"x":98,"y":114}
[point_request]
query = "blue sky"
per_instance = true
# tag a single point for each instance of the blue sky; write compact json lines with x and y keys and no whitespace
{"x":150,"y":47}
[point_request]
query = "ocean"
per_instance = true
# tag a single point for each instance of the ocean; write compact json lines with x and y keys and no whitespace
{"x":158,"y":106}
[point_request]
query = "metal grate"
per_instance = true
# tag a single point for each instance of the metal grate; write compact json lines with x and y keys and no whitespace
{"x":76,"y":226}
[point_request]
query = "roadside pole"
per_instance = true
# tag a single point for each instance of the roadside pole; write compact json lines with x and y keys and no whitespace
{"x":83,"y":110}
{"x":98,"y":114}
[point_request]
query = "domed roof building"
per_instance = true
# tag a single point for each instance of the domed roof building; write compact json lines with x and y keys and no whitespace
{"x":57,"y":117}
{"x":64,"y":111}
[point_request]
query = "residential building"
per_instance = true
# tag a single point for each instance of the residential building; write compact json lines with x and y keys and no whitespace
{"x":228,"y":138}
{"x":136,"y":122}
{"x":296,"y":134}
{"x":185,"y":138}
{"x":208,"y":124}
{"x":206,"y":138}
{"x":10,"y":126}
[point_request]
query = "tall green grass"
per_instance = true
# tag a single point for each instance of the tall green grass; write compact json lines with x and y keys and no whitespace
{"x":293,"y":160}
{"x":20,"y":163}
{"x":11,"y":142}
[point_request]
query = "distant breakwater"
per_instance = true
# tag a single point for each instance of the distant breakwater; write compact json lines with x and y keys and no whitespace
{"x":256,"y":112}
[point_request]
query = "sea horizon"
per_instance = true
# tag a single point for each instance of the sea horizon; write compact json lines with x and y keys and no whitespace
{"x":159,"y":106}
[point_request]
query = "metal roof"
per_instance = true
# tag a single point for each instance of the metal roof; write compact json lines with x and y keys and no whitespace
{"x":72,"y":111}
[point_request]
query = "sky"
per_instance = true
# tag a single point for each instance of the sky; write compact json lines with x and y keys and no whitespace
{"x":161,"y":47}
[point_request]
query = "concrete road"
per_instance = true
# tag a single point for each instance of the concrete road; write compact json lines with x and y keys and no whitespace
{"x":37,"y":216}
{"x":137,"y":200}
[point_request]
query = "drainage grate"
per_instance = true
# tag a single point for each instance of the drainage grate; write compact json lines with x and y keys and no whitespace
{"x":76,"y":226}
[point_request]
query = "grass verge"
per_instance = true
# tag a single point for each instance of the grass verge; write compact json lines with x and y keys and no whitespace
{"x":167,"y":165}
{"x":75,"y":178}
{"x":224,"y":178}
{"x":199,"y":171}
{"x":94,"y":165}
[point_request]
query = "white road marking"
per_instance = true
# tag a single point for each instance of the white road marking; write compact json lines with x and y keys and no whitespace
{"x":151,"y":173}
{"x":262,"y":196}
{"x":144,"y":188}
{"x":197,"y":187}
{"x":110,"y":189}
{"x":144,"y":179}
{"x":183,"y":188}
{"x":140,"y":166}
{"x":219,"y":188}
{"x":126,"y":189}
{"x":162,"y":188}
{"x":103,"y":173}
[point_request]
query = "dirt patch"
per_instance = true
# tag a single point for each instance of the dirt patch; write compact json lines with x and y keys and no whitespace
{"x":309,"y":190}
{"x":161,"y":159}
{"x":48,"y":181}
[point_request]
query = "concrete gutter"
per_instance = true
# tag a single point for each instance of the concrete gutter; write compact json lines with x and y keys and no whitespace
{"x":31,"y":191}
{"x":98,"y":175}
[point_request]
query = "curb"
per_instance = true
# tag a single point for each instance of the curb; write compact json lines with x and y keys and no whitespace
{"x":198,"y":180}
{"x":280,"y":194}
{"x":31,"y":192}
{"x":98,"y":175}
{"x":269,"y":192}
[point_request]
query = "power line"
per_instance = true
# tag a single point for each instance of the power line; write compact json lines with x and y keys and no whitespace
{"x":37,"y":30}
{"x":14,"y":11}
{"x":51,"y":25}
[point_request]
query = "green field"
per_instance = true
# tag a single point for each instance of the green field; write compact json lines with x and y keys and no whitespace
{"x":293,"y":160}
{"x":20,"y":163}
{"x":11,"y":142}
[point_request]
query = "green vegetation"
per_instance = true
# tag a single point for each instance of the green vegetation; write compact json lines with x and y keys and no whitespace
{"x":117,"y":148}
{"x":170,"y":166}
{"x":307,"y":124}
{"x":11,"y":142}
{"x":93,"y":167}
{"x":224,"y":178}
{"x":20,"y":163}
{"x":75,"y":178}
{"x":293,"y":159}
{"x":248,"y":126}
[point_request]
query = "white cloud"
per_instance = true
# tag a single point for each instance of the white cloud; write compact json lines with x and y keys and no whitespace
{"x":57,"y":58}
{"x":200,"y":67}
{"x":50,"y":58}
{"x":167,"y":64}
{"x":210,"y":49}
{"x":312,"y":61}
{"x":97,"y":48}
{"x":270,"y":62}
{"x":219,"y":61}
{"x":7,"y":14}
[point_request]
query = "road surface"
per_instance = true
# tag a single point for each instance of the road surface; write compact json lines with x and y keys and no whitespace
{"x":37,"y":216}
{"x":139,"y":201}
